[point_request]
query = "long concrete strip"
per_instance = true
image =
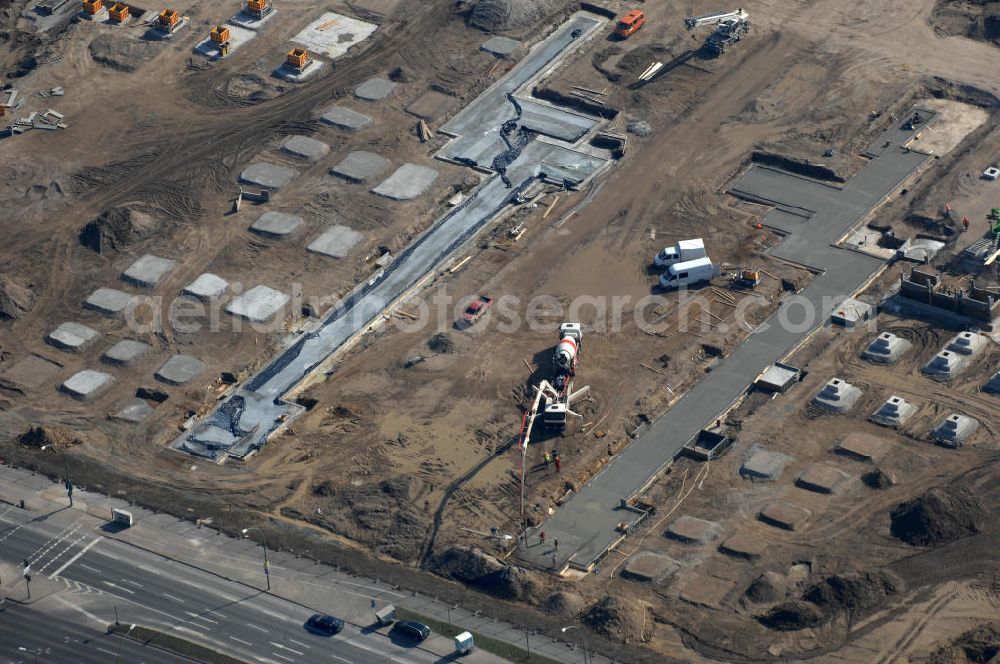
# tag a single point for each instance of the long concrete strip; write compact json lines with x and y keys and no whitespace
{"x":587,"y":525}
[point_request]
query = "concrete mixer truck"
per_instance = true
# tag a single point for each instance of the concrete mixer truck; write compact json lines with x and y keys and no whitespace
{"x":567,"y":353}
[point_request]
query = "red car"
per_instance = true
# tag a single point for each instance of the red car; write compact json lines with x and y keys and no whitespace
{"x":476,"y":310}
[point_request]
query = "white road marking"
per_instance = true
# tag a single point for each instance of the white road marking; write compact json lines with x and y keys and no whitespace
{"x":287,"y":659}
{"x":74,"y":558}
{"x":176,"y":599}
{"x":216,"y":613}
{"x":117,"y":587}
{"x":198,"y":616}
{"x":259,"y":629}
{"x":299,"y":643}
{"x":110,"y":652}
{"x":341,"y":659}
{"x":92,"y":569}
{"x":59,"y":555}
{"x":246,"y":643}
{"x":281,"y":646}
{"x":73,"y":605}
{"x":198,"y":626}
{"x":144,"y":568}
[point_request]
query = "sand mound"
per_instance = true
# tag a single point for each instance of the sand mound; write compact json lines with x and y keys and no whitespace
{"x":617,"y":619}
{"x":562,"y":604}
{"x":859,"y":592}
{"x":39,"y":435}
{"x":792,"y":616}
{"x":766,"y":588}
{"x":441,"y":343}
{"x":937,"y":517}
{"x":116,"y":229}
{"x":977,"y":646}
{"x":500,"y":15}
{"x":122,"y":53}
{"x":16,"y":297}
{"x":485,"y":572}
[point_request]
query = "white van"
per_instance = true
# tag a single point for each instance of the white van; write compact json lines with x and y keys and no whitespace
{"x":688,"y":273}
{"x":685,"y":250}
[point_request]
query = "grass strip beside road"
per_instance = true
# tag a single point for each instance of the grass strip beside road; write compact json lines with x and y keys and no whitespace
{"x":496,"y":647}
{"x":171,"y":643}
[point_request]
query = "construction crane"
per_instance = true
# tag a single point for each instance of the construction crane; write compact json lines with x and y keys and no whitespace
{"x":731,"y":27}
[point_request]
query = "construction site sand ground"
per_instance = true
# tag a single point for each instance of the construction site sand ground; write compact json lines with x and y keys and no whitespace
{"x":393,"y":457}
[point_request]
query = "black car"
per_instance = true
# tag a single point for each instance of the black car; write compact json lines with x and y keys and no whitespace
{"x":412,"y":630}
{"x":324,"y":624}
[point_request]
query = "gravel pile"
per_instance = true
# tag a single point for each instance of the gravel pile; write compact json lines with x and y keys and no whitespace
{"x":501,"y":15}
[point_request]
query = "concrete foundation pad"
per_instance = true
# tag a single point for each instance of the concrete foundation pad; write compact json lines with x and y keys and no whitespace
{"x":134,"y":411}
{"x":743,"y":545}
{"x":946,"y":365}
{"x":292,"y":75}
{"x":277,"y":225}
{"x":821,"y":478}
{"x":206,"y":287}
{"x":764,"y":465}
{"x":408,"y":182}
{"x":862,"y":446}
{"x":238,"y":36}
{"x":305,"y":148}
{"x":502,"y":47}
{"x":967,"y":343}
{"x":148,"y":270}
{"x":955,"y":430}
{"x":705,"y":590}
{"x":993,"y":384}
{"x":157,"y":33}
{"x":86,"y":384}
{"x":345,"y":118}
{"x":125,"y":352}
{"x":784,"y":515}
{"x":693,"y":530}
{"x":837,"y":397}
{"x":245,"y":19}
{"x":100,"y":17}
{"x":268,"y":176}
{"x":108,"y":301}
{"x":431,"y":106}
{"x":72,"y":336}
{"x":334,"y":34}
{"x":258,"y":304}
{"x":649,"y":566}
{"x":886,"y":348}
{"x":180,"y":369}
{"x":894,"y":412}
{"x":374,"y":89}
{"x":29,"y":372}
{"x":851,"y":313}
{"x":360,"y":166}
{"x":335,"y":241}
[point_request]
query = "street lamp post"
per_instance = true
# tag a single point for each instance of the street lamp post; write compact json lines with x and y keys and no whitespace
{"x":263,"y":544}
{"x":582,"y":638}
{"x":69,"y":484}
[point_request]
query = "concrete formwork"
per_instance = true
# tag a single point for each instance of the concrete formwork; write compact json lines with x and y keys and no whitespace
{"x":335,"y":242}
{"x":693,"y":530}
{"x":148,"y":270}
{"x":945,"y":365}
{"x":821,"y":478}
{"x":784,"y":515}
{"x":764,"y":465}
{"x":134,"y":411}
{"x":837,"y":396}
{"x":108,"y":301}
{"x":125,"y":352}
{"x":86,"y":384}
{"x":967,"y":343}
{"x":345,"y":118}
{"x":502,"y":47}
{"x":649,"y":567}
{"x":268,"y":176}
{"x":303,"y":147}
{"x":886,"y":348}
{"x":276,"y":225}
{"x":862,"y":446}
{"x":258,"y":304}
{"x":206,"y":287}
{"x":179,"y":369}
{"x":407,"y":182}
{"x":894,"y":412}
{"x":954,"y":430}
{"x":360,"y":166}
{"x":72,"y":336}
{"x":374,"y":89}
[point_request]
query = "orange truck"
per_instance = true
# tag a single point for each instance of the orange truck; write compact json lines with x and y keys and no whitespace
{"x":630,"y":23}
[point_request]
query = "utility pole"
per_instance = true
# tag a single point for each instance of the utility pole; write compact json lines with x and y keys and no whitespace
{"x":263,"y":544}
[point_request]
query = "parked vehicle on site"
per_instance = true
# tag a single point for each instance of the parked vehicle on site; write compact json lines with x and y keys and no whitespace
{"x":685,"y":250}
{"x":412,"y":630}
{"x":324,"y":624}
{"x":630,"y":23}
{"x":475,"y":311}
{"x":688,"y":273}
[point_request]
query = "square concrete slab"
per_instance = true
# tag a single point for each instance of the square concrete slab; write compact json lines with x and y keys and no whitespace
{"x":179,"y":369}
{"x":345,"y":118}
{"x":277,"y":225}
{"x":784,"y":515}
{"x":245,"y":19}
{"x":108,"y":301}
{"x":28,"y":372}
{"x":374,"y":89}
{"x":408,"y":182}
{"x":360,"y":166}
{"x":821,"y":478}
{"x":693,"y":530}
{"x":258,"y":304}
{"x":333,"y":34}
{"x":148,"y":271}
{"x":293,"y":75}
{"x":862,"y":446}
{"x":706,"y":590}
{"x":87,"y":384}
{"x":743,"y":545}
{"x":206,"y":286}
{"x":432,"y":105}
{"x":502,"y":47}
{"x":125,"y":352}
{"x":72,"y":336}
{"x":238,"y":36}
{"x":268,"y":176}
{"x":134,"y":411}
{"x":305,"y":148}
{"x":335,"y":242}
{"x":764,"y":465}
{"x":649,"y":566}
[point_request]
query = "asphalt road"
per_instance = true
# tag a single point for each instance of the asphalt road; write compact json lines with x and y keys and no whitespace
{"x":72,"y":563}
